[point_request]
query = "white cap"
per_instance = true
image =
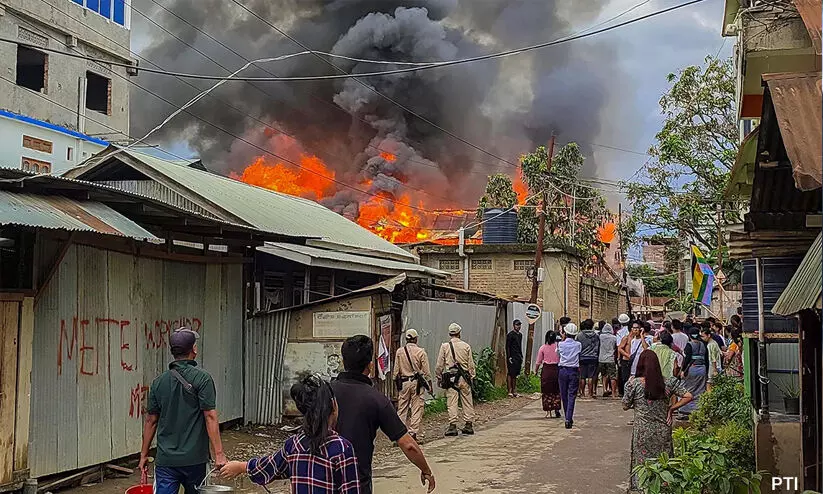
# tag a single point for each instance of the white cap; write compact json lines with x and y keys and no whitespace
{"x":454,"y":328}
{"x":623,"y":319}
{"x":571,"y":329}
{"x":411,"y":334}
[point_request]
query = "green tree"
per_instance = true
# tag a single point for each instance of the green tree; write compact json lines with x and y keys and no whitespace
{"x":499,"y":194}
{"x":566,"y":193}
{"x":658,"y":285}
{"x":677,"y":190}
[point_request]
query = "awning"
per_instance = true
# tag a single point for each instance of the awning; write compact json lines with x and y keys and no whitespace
{"x":332,"y":259}
{"x":810,"y":12}
{"x":742,"y":173}
{"x":804,"y":289}
{"x":63,"y":213}
{"x":797,"y":100}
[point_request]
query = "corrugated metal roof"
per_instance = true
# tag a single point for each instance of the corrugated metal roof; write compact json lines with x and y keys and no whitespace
{"x":45,"y":211}
{"x":742,"y":173}
{"x":312,"y":256}
{"x":804,"y":289}
{"x":810,"y":11}
{"x":797,"y":100}
{"x":268,"y":210}
{"x":388,"y":285}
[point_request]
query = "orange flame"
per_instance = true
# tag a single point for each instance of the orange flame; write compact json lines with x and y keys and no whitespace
{"x":313,"y":181}
{"x":393,"y":218}
{"x":520,"y":189}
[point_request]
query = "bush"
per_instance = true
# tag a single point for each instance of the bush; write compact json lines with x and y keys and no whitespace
{"x":726,"y":402}
{"x":700,"y":465}
{"x":528,"y":383}
{"x":435,"y":406}
{"x":483,"y":388}
{"x":715,"y":455}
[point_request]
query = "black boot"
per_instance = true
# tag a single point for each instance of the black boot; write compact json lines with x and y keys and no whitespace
{"x":468,"y":429}
{"x":568,"y":425}
{"x":452,"y":430}
{"x":557,"y":414}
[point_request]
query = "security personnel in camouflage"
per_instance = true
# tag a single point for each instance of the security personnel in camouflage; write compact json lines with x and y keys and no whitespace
{"x":411,"y":370}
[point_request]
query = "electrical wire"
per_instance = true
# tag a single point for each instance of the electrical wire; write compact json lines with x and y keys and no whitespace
{"x":432,"y":65}
{"x":259,"y":89}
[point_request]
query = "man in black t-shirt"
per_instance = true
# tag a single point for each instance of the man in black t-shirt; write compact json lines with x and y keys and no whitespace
{"x":514,"y":357}
{"x":362,"y":410}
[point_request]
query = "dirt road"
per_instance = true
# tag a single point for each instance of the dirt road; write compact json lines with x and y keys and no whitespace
{"x":524,"y":452}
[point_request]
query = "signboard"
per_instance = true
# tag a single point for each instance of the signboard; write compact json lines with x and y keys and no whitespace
{"x":532,"y":313}
{"x":341,"y":325}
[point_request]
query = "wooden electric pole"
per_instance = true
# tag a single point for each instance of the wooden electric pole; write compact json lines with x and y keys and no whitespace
{"x":720,"y":259}
{"x":538,"y":256}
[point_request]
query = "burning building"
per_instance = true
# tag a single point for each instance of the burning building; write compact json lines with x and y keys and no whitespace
{"x":385,"y":151}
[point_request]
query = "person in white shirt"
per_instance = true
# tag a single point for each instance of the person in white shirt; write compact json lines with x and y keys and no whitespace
{"x":569,"y":370}
{"x":679,"y":338}
{"x":623,"y":365}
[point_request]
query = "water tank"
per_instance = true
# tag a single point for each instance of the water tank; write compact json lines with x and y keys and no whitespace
{"x":777,"y":271}
{"x":499,"y":226}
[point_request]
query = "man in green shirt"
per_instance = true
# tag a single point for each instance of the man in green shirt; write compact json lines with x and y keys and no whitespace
{"x":181,"y":411}
{"x":715,"y":364}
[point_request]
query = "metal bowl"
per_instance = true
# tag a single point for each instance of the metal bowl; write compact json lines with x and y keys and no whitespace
{"x":209,"y":489}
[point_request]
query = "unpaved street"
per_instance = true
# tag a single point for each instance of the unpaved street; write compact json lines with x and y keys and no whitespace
{"x":518,"y":452}
{"x":524,"y":452}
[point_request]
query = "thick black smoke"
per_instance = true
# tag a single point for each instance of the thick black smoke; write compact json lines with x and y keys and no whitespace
{"x":506,"y":106}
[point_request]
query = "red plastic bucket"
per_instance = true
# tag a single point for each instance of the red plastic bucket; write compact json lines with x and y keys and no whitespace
{"x":141,"y":489}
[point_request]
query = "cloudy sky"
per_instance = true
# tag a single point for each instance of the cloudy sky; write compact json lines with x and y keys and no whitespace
{"x":617,"y":77}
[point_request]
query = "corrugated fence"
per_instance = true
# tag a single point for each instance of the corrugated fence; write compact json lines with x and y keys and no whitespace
{"x":432,"y":318}
{"x":101,"y":336}
{"x":266,"y":337}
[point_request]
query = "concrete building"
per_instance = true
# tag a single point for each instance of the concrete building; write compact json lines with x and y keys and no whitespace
{"x":503,"y":270}
{"x":654,"y":254}
{"x":777,"y":172}
{"x":57,"y":110}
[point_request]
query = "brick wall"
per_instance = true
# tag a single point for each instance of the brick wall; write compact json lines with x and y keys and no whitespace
{"x":599,"y":300}
{"x":507,"y":278}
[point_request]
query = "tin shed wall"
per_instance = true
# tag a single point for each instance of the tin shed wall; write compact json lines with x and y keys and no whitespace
{"x":431,"y":319}
{"x":266,"y":337}
{"x":101,"y":336}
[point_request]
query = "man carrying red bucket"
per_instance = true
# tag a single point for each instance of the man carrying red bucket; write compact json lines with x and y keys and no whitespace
{"x":181,"y":412}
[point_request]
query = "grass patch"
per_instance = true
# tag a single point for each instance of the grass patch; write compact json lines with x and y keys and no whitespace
{"x":435,"y":406}
{"x":528,"y":384}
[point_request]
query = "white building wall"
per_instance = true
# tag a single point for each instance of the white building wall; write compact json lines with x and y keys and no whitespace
{"x":13,"y":148}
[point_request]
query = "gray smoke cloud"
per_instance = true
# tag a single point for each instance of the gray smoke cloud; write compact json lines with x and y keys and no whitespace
{"x":506,"y":106}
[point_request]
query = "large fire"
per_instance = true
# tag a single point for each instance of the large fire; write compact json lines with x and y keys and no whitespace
{"x":397,"y":218}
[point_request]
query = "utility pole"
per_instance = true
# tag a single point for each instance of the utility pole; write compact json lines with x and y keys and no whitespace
{"x":623,"y":256}
{"x":720,"y":258}
{"x":538,"y":256}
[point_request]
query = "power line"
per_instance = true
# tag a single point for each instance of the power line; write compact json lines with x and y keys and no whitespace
{"x":433,"y":65}
{"x":202,"y":94}
{"x":266,"y":151}
{"x":373,"y":90}
{"x":259,"y":89}
{"x":357,"y":77}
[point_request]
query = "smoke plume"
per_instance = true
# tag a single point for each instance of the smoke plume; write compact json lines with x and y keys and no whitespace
{"x":506,"y":106}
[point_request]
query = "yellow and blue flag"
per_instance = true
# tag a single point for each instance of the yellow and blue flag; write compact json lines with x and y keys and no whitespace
{"x":702,"y":278}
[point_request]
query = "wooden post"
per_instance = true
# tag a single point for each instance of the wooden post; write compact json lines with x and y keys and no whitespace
{"x":24,"y":356}
{"x":9,"y":324}
{"x":538,"y":257}
{"x":720,"y":259}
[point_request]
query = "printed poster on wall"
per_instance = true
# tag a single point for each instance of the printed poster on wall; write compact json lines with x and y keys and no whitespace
{"x":383,"y":354}
{"x":340,"y":325}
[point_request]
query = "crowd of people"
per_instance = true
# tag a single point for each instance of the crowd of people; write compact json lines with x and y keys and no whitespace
{"x":333,"y":450}
{"x":658,"y":372}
